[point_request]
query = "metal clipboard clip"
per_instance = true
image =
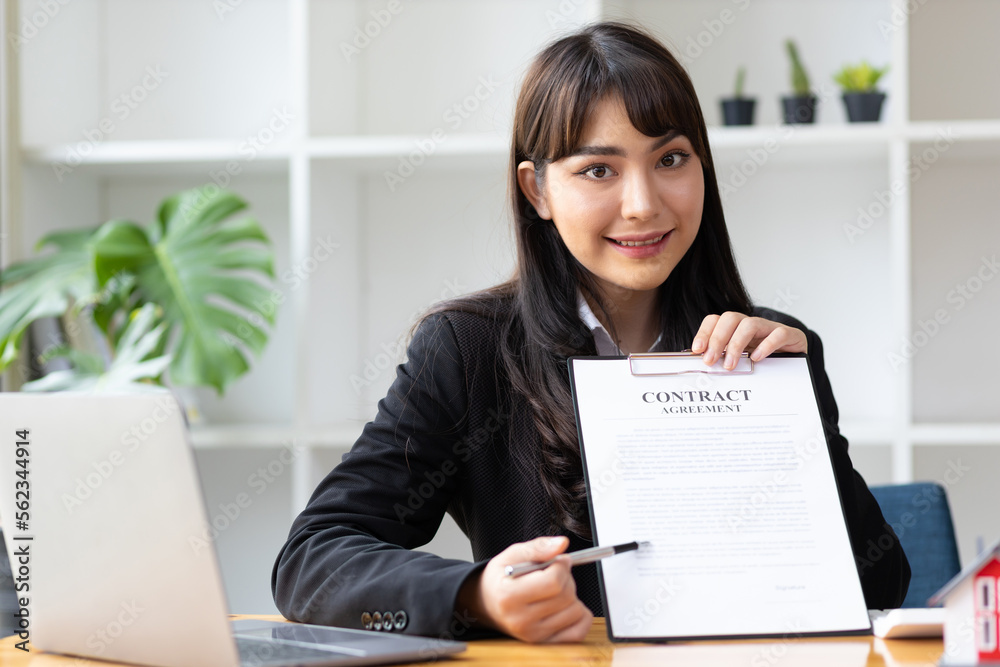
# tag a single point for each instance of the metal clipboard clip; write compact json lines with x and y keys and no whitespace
{"x":651,"y":363}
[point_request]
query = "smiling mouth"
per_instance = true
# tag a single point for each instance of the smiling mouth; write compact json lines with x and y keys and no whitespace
{"x":633,"y":244}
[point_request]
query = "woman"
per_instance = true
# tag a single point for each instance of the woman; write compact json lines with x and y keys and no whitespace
{"x":622,"y":247}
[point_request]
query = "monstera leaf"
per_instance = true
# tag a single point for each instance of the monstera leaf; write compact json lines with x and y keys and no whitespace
{"x":133,"y":361}
{"x":210,"y":275}
{"x":46,"y":286}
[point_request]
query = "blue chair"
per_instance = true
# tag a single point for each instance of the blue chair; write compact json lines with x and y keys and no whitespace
{"x":921,"y":517}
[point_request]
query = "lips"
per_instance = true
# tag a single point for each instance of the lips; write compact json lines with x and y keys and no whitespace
{"x":633,"y":244}
{"x":632,"y":240}
{"x":640,"y":246}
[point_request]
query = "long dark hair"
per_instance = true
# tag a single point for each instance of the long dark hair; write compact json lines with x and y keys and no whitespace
{"x":562,"y":86}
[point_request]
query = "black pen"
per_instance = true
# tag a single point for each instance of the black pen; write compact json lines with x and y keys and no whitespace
{"x":581,"y":557}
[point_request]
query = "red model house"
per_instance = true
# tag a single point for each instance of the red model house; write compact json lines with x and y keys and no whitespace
{"x":972,"y":617}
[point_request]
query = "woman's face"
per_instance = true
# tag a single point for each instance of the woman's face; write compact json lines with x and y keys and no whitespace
{"x":627,"y":206}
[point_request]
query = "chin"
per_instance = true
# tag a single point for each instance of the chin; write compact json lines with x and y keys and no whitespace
{"x":636,"y":285}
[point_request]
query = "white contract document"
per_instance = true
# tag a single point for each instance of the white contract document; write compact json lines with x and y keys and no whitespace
{"x":727,"y":475}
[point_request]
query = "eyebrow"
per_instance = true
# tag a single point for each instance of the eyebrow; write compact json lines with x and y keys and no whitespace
{"x":617,"y":151}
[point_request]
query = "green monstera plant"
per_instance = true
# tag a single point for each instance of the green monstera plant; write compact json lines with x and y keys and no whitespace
{"x":186,"y":298}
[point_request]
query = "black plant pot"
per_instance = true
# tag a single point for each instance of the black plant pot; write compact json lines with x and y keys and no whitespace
{"x":863,"y":107}
{"x":799,"y":108}
{"x":738,"y":110}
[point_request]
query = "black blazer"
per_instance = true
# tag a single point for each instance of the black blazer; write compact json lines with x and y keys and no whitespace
{"x":442,"y":441}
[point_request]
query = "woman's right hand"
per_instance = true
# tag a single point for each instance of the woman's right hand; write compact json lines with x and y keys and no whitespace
{"x":538,"y":607}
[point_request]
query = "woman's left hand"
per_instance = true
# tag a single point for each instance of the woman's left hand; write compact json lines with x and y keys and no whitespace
{"x":733,"y":333}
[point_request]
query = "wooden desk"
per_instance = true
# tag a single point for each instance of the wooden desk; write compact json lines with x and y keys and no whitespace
{"x":597,"y":651}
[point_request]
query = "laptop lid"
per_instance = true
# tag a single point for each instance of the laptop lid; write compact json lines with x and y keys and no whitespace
{"x":114,"y":529}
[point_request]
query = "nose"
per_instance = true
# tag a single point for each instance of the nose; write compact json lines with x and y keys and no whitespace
{"x":640,"y":201}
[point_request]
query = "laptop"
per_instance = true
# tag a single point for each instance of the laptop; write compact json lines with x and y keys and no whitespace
{"x":111,"y":524}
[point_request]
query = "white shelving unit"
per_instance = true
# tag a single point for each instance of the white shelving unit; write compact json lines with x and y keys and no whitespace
{"x":427,"y":96}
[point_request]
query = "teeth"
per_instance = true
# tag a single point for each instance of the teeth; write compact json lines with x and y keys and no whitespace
{"x":632,"y":244}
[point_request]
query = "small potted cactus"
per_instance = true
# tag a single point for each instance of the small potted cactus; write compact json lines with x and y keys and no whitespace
{"x":800,"y":107}
{"x":738,"y":110}
{"x":863,"y":102}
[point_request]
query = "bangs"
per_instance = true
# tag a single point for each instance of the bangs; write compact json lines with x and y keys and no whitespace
{"x":583,"y":71}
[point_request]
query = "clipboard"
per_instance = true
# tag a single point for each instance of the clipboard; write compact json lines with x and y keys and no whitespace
{"x":669,"y":363}
{"x":671,"y":449}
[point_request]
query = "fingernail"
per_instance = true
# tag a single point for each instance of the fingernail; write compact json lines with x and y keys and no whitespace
{"x":697,"y":345}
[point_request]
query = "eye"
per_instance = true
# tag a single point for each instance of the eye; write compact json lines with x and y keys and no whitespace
{"x":597,"y":172}
{"x":674,"y":159}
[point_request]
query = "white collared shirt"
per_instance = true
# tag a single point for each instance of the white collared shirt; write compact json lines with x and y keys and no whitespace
{"x":606,"y":347}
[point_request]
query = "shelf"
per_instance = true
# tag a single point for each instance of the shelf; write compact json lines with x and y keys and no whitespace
{"x":801,"y":135}
{"x":375,"y":146}
{"x":271,"y":436}
{"x":802,"y":144}
{"x":379,"y":151}
{"x":962,"y":130}
{"x":864,"y":434}
{"x":410,"y":152}
{"x":179,"y":157}
{"x":240,"y":436}
{"x":159,"y":157}
{"x":955,"y":434}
